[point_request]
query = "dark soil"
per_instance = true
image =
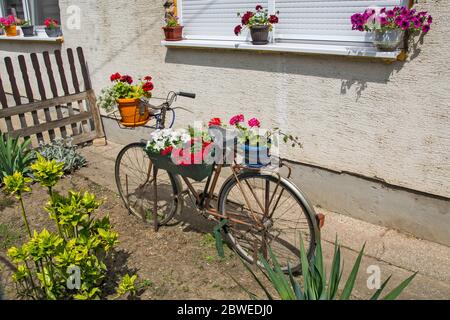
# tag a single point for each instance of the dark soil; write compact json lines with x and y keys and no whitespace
{"x":178,"y":262}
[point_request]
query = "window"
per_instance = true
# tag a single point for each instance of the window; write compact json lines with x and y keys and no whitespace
{"x":35,"y":11}
{"x":300,"y":20}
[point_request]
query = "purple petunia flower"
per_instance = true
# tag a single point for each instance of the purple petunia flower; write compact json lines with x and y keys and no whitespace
{"x":405,"y":24}
{"x":426,"y":28}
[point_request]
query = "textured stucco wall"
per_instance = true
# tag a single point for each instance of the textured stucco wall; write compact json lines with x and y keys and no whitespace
{"x":389,"y":122}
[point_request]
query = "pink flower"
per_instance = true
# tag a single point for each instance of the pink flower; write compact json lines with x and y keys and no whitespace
{"x":254,"y":123}
{"x":237,"y":119}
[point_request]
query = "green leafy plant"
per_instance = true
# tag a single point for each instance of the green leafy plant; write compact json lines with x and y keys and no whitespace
{"x":83,"y":243}
{"x":14,"y":156}
{"x":315,"y":284}
{"x":62,"y":150}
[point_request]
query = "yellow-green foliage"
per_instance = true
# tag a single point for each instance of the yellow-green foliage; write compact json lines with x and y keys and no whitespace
{"x":82,"y":241}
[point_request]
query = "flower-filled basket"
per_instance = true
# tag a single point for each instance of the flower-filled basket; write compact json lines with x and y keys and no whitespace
{"x":127,"y":97}
{"x":188,"y":153}
{"x":389,"y":25}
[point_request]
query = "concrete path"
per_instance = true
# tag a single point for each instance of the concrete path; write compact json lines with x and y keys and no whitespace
{"x":395,"y":253}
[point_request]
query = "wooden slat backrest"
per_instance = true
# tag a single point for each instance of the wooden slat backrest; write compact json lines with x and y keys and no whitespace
{"x":63,"y":116}
{"x":29,"y":93}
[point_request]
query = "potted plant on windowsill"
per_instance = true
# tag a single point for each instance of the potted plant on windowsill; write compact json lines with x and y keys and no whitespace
{"x":389,"y":25}
{"x":52,"y":28}
{"x":26,"y":27}
{"x":126,"y":97}
{"x":259,"y":23}
{"x":9,"y":24}
{"x":173,"y":31}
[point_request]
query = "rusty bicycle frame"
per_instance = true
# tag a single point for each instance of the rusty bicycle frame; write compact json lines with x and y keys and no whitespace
{"x":258,"y":223}
{"x":204,"y":199}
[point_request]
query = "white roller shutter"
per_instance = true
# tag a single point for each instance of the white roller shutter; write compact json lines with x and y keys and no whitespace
{"x":324,"y":19}
{"x":214,"y":19}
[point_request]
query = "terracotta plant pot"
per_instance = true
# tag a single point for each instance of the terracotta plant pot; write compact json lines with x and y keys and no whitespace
{"x":260,"y":35}
{"x":11,"y":31}
{"x":130,"y":113}
{"x":173,"y":33}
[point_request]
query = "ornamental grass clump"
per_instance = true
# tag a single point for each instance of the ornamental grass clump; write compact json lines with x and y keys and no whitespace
{"x":69,"y":264}
{"x":315,"y":285}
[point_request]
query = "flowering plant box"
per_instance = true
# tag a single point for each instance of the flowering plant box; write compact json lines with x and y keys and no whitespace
{"x":197,"y":172}
{"x":188,"y":153}
{"x":390,"y":25}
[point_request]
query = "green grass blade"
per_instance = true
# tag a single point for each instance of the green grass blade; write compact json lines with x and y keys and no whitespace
{"x":278,"y":280}
{"x":397,"y":291}
{"x":267,"y":293}
{"x":379,"y":291}
{"x":296,"y":286}
{"x":333,"y":284}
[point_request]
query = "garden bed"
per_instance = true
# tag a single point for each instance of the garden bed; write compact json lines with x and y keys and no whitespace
{"x":178,"y":262}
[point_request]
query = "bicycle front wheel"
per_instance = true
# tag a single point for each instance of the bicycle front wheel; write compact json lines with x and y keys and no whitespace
{"x":134,"y":179}
{"x":266,"y":212}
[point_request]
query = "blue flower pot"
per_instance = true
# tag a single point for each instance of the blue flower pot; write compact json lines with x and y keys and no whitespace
{"x":256,"y":156}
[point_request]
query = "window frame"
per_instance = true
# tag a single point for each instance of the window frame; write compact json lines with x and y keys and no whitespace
{"x":26,"y":9}
{"x":283,"y":38}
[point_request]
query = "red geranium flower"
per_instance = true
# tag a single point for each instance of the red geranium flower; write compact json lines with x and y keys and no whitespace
{"x":148,"y":78}
{"x":259,"y":7}
{"x":148,"y":86}
{"x":51,"y":22}
{"x":215,"y":122}
{"x":115,"y":76}
{"x":237,"y":30}
{"x":246,"y":17}
{"x":273,"y":19}
{"x":167,"y":151}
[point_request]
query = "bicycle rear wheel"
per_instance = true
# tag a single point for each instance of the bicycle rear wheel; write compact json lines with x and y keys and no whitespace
{"x":134,"y":174}
{"x":273,"y":213}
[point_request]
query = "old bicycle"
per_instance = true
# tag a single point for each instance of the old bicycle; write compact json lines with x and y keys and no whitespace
{"x":262,"y":208}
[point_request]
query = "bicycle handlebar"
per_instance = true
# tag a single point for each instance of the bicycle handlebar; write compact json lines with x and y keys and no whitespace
{"x":187,"y":95}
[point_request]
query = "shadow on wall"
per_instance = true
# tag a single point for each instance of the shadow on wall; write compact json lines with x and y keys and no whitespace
{"x":19,"y":47}
{"x":355,"y":73}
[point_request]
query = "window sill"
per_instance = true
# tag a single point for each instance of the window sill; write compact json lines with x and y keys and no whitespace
{"x":38,"y":38}
{"x":302,"y":48}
